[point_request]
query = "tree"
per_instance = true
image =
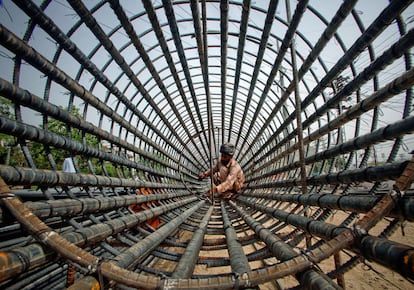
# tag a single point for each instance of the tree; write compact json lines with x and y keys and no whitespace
{"x":40,"y":152}
{"x":10,"y":153}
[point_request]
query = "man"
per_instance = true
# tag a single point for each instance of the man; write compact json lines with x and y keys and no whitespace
{"x":228,"y":177}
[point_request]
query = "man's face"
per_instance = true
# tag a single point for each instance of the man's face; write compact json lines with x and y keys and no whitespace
{"x":225,"y":159}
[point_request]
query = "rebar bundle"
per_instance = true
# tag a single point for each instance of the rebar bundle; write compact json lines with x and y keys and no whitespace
{"x":138,"y":97}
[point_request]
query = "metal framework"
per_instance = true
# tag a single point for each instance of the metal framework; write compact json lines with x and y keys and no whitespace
{"x":318,"y":100}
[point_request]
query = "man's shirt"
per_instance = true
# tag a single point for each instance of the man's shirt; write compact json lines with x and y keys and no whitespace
{"x":231,"y":177}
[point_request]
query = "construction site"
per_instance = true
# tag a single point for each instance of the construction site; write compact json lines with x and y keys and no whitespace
{"x":113,"y":114}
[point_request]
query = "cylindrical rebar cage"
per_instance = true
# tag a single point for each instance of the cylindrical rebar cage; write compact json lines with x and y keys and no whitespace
{"x":110,"y":110}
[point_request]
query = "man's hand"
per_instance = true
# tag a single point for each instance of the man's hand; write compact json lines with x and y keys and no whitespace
{"x":211,"y":191}
{"x":201,"y":176}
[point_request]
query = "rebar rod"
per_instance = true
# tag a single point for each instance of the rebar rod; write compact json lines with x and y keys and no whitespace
{"x":90,"y":21}
{"x":270,"y":16}
{"x":183,"y":60}
{"x":123,"y":19}
{"x":134,"y":254}
{"x":383,"y":134}
{"x":167,"y":54}
{"x":301,"y":9}
{"x":369,"y":35}
{"x":185,"y":267}
{"x":238,"y":259}
{"x":81,"y":206}
{"x":398,"y":85}
{"x":12,"y":42}
{"x":20,"y":175}
{"x":309,"y":278}
{"x":390,"y":254}
{"x":37,"y":134}
{"x":239,"y":58}
{"x":35,"y":254}
{"x":30,"y":100}
{"x":144,"y":93}
{"x":372,"y":173}
{"x":357,"y":204}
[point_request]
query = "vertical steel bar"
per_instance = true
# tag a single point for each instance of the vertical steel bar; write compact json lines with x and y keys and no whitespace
{"x":338,"y":263}
{"x":298,"y":107}
{"x":224,"y":19}
{"x":240,"y":52}
{"x":70,"y":276}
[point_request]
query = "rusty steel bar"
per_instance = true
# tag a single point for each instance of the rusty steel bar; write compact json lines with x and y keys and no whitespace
{"x":133,"y":255}
{"x":309,"y":279}
{"x":185,"y":267}
{"x":34,"y":133}
{"x":113,"y":272}
{"x":35,"y":254}
{"x":19,"y":47}
{"x":25,"y":176}
{"x":270,"y":18}
{"x":338,"y":264}
{"x":293,"y":25}
{"x":31,"y":279}
{"x":130,"y":103}
{"x":240,"y":51}
{"x":407,"y":177}
{"x":329,"y":32}
{"x":29,"y":54}
{"x":106,"y":42}
{"x":224,"y":23}
{"x":80,"y":206}
{"x":391,"y":131}
{"x":30,"y":100}
{"x":363,"y":41}
{"x":392,"y":255}
{"x":301,"y":8}
{"x":167,"y":54}
{"x":123,"y":19}
{"x":393,"y":53}
{"x":372,"y":173}
{"x":355,"y":203}
{"x":138,"y":252}
{"x":70,"y":276}
{"x":172,"y":21}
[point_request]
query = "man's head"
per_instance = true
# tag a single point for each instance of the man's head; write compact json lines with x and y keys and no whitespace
{"x":227,"y":151}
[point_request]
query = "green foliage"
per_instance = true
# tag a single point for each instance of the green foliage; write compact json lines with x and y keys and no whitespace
{"x":58,"y":127}
{"x":10,"y":153}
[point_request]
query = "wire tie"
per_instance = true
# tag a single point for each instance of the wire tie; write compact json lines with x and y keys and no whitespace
{"x":23,"y":258}
{"x":236,"y":277}
{"x":7,"y":195}
{"x":310,"y":259}
{"x":358,"y":232}
{"x":99,"y":271}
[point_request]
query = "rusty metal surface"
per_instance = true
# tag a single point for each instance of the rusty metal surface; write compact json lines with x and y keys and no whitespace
{"x":142,"y":96}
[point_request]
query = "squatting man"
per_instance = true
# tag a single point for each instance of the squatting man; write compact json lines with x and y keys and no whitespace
{"x":228,"y":176}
